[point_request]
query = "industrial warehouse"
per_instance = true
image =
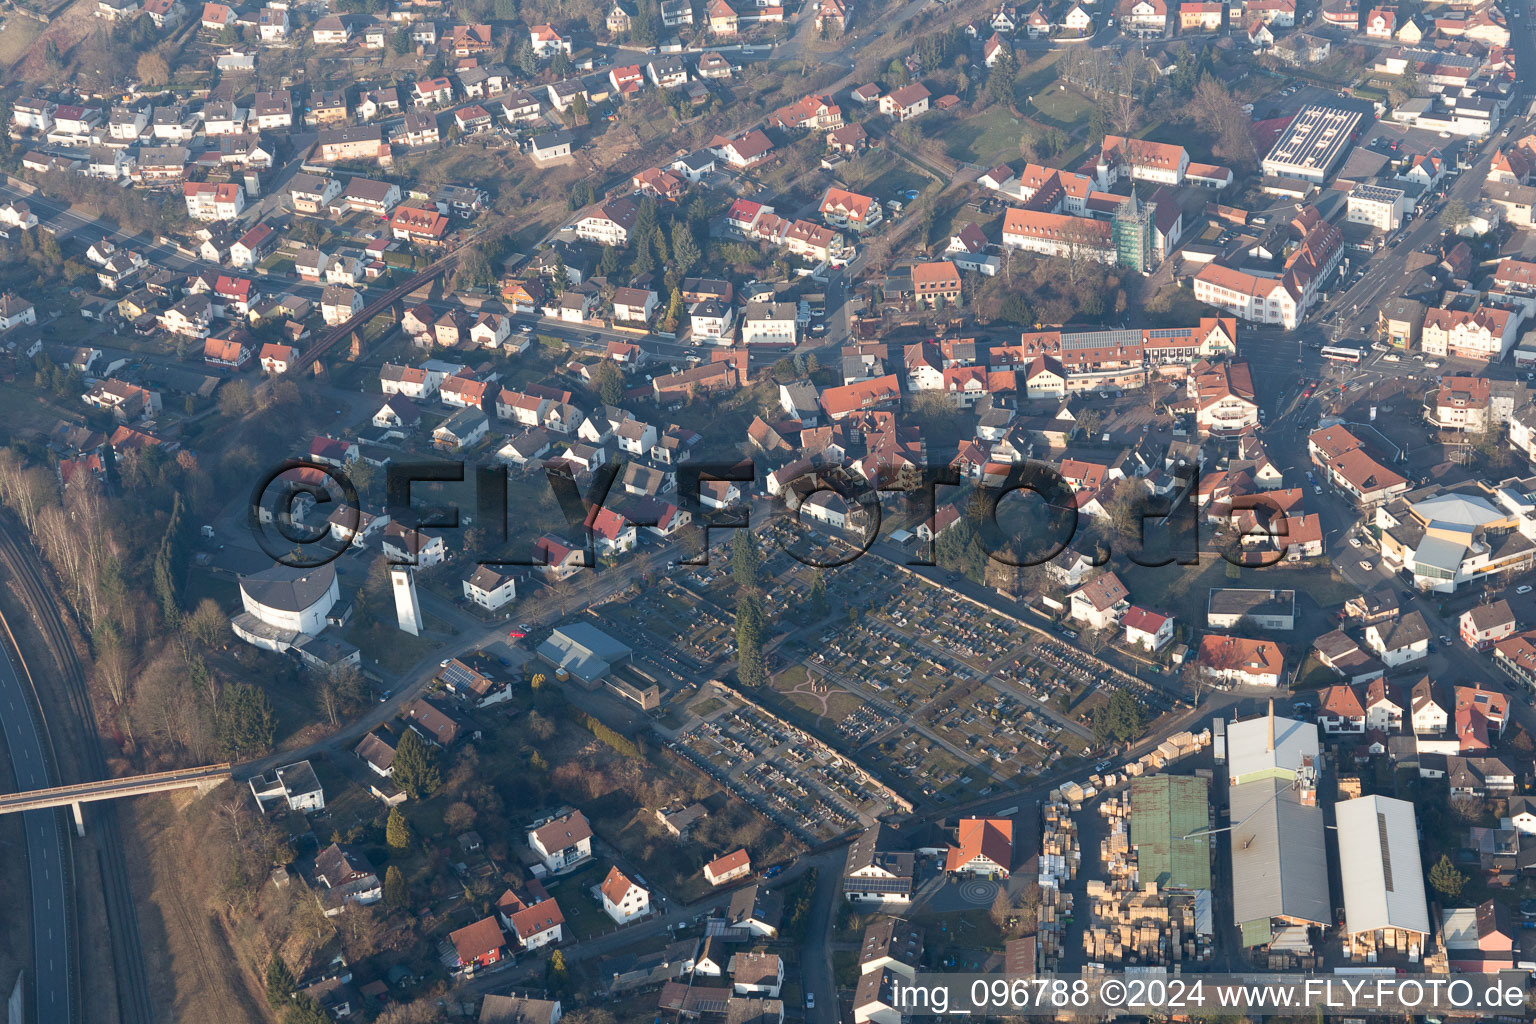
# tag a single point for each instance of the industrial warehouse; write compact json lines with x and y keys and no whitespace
{"x":1259,"y":820}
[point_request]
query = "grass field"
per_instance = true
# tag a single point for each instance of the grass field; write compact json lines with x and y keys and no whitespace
{"x":986,"y":138}
{"x":1062,"y":106}
{"x":885,"y":174}
{"x":16,"y":38}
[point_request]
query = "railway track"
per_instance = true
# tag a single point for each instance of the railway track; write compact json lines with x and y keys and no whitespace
{"x":23,"y":562}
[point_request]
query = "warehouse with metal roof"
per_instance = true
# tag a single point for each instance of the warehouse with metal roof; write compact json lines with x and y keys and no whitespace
{"x":1279,"y":858}
{"x":1382,"y":876}
{"x":1164,"y":810}
{"x":1270,"y":747}
{"x":584,"y":651}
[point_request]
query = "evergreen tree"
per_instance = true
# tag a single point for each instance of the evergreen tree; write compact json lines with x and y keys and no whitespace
{"x":280,"y":983}
{"x":397,"y":831}
{"x":608,"y":263}
{"x":674,"y":315}
{"x":959,"y":549}
{"x":416,"y":766}
{"x":1448,"y":882}
{"x":396,"y":895}
{"x":744,"y":560}
{"x":527,"y":60}
{"x":750,"y":671}
{"x":245,"y":723}
{"x":609,"y":382}
{"x":819,"y":605}
{"x":1002,"y":78}
{"x":659,"y":243}
{"x":305,"y":1010}
{"x":645,"y":218}
{"x":643,"y":258}
{"x":685,"y":250}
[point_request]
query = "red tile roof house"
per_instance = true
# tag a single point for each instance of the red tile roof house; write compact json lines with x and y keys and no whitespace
{"x":478,"y":944}
{"x":623,"y":899}
{"x":226,"y":353}
{"x":1489,"y":705}
{"x":1100,"y":602}
{"x":612,"y":534}
{"x":1339,"y":711}
{"x":1239,"y":660}
{"x":1147,"y":629}
{"x":728,"y":868}
{"x":333,"y":451}
{"x":1383,"y":706}
{"x":986,"y":847}
{"x":907,"y":102}
{"x":1487,"y":624}
{"x":935,"y":285}
{"x":562,"y":842}
{"x":538,"y":924}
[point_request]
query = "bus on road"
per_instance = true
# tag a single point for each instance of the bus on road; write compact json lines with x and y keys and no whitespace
{"x":1341,"y":354}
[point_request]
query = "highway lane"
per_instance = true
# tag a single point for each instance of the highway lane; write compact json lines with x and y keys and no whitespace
{"x":50,"y":981}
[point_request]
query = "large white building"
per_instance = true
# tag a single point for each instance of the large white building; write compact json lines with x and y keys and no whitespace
{"x":1380,"y":206}
{"x":1382,"y":876}
{"x":1268,"y":298}
{"x":1484,"y":333}
{"x":1316,"y":139}
{"x":1279,"y":854}
{"x":283,"y":604}
{"x":609,"y":224}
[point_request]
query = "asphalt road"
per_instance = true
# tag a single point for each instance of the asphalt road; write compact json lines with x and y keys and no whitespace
{"x":50,"y":984}
{"x":1386,"y":270}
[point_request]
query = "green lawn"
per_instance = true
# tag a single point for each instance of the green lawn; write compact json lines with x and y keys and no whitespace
{"x":883,"y":174}
{"x":986,"y":138}
{"x":584,"y":917}
{"x":1062,"y":105}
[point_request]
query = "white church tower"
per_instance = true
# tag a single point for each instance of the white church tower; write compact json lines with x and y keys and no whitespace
{"x":407,"y":607}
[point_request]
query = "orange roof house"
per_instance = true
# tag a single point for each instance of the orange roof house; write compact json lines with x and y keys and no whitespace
{"x":986,"y":847}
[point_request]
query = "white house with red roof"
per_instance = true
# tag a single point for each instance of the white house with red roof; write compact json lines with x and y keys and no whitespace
{"x":562,"y":842}
{"x":612,"y":534}
{"x":994,"y":49}
{"x":942,"y":519}
{"x":1241,"y":661}
{"x":609,"y":223}
{"x":985,"y":847}
{"x":623,"y":900}
{"x":536,"y":922}
{"x":845,"y":209}
{"x":559,"y":559}
{"x":1099,"y":603}
{"x":546,"y":41}
{"x":405,"y":546}
{"x":728,"y":868}
{"x":1339,"y":711}
{"x":1147,"y":15}
{"x":747,"y":150}
{"x":907,"y":102}
{"x":1484,"y":625}
{"x":333,"y":451}
{"x":1147,"y":629}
